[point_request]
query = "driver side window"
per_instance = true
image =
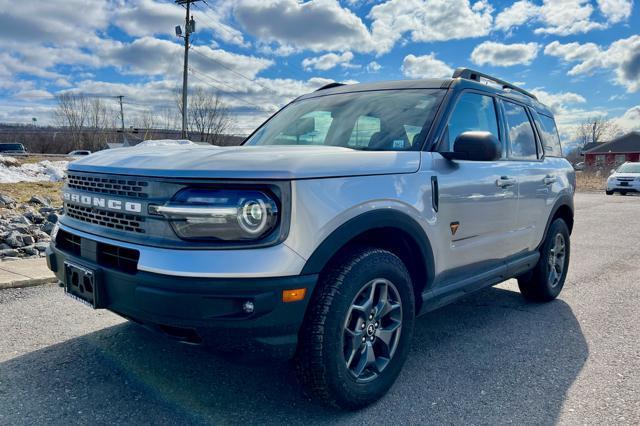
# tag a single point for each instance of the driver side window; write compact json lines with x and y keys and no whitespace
{"x":473,"y":112}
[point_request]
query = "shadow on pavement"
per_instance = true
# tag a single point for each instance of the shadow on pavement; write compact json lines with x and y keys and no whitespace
{"x":491,"y":358}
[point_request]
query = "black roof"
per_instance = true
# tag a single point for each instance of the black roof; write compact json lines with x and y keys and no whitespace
{"x":590,"y":145}
{"x":626,"y":143}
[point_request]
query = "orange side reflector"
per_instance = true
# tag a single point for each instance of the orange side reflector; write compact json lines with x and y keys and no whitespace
{"x":294,"y":295}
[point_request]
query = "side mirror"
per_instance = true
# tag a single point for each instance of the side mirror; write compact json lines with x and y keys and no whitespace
{"x":475,"y":146}
{"x":612,"y":171}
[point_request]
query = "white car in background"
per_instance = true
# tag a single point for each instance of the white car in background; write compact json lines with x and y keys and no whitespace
{"x":625,"y":179}
{"x":79,"y":153}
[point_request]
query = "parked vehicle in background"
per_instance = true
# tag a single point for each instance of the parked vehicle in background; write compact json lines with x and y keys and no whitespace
{"x":79,"y":153}
{"x":344,"y":216}
{"x":579,"y":166}
{"x":12,"y":148}
{"x":624,"y":179}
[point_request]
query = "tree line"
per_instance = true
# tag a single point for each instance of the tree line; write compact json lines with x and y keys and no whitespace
{"x":88,"y":122}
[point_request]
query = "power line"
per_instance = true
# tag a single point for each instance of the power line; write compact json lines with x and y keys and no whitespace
{"x":196,"y":73}
{"x":239,"y":74}
{"x":213,"y":21}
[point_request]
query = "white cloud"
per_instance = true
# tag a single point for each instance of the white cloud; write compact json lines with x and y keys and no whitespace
{"x":616,"y":10}
{"x":328,"y":61}
{"x":148,"y":17}
{"x":563,"y":17}
{"x":504,"y":55}
{"x":292,"y":26}
{"x":152,"y":56}
{"x":630,"y":120}
{"x":320,"y":25}
{"x":428,"y":20}
{"x":373,"y":67}
{"x":622,"y":56}
{"x":515,"y":15}
{"x":426,"y":66}
{"x":558,"y":102}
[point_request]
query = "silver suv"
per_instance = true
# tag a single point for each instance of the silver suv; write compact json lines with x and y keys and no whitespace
{"x":344,"y":216}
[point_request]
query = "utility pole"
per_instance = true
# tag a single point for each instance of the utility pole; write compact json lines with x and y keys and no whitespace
{"x":124,"y":134}
{"x":189,"y":25}
{"x":121,"y":112}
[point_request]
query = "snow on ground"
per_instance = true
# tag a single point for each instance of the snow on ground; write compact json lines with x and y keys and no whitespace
{"x":11,"y":171}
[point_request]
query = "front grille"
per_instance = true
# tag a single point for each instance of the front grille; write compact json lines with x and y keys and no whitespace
{"x":122,"y":187}
{"x":115,"y":220}
{"x":622,"y":179}
{"x":107,"y":255}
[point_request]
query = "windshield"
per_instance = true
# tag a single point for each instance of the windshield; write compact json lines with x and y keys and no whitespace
{"x":386,"y":120}
{"x":629,"y":168}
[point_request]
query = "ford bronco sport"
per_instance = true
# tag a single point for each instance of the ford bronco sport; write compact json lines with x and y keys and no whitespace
{"x":344,"y":216}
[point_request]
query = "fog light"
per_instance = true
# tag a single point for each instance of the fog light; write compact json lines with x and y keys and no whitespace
{"x":248,"y":307}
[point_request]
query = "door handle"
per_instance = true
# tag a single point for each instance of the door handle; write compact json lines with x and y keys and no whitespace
{"x":548,"y":180}
{"x":505,"y":181}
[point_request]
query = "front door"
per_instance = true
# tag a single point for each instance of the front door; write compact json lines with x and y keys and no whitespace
{"x":478,"y":199}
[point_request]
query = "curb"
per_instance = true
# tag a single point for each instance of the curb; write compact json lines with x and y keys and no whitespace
{"x":27,"y":282}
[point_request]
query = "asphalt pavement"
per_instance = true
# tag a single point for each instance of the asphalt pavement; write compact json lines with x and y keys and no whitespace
{"x":491,"y":358}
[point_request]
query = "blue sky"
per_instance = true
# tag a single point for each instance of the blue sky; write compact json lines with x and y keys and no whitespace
{"x":580,"y":57}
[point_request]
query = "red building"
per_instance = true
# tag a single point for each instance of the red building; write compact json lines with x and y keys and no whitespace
{"x":613,"y":153}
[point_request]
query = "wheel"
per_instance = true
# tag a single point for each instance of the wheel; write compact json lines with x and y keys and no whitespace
{"x":357,"y":330}
{"x":546,"y":280}
{"x":623,"y":192}
{"x":608,"y":192}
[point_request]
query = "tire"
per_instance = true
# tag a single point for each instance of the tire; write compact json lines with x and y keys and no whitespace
{"x":541,"y":284}
{"x":623,"y":192}
{"x":608,"y":192}
{"x":325,"y":346}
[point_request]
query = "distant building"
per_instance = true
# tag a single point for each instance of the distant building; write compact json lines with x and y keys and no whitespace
{"x":614,"y":152}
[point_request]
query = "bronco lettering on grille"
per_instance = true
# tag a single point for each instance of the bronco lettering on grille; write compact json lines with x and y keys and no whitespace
{"x":88,"y":200}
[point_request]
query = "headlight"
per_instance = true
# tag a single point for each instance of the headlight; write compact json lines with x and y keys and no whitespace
{"x":220,"y":214}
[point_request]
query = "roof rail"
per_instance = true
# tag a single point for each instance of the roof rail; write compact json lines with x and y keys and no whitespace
{"x":470,"y":74}
{"x":330,"y":86}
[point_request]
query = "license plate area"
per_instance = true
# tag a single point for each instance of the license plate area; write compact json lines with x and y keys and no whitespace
{"x":81,"y":284}
{"x":624,"y":183}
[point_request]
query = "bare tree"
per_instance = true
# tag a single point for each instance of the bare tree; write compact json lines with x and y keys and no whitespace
{"x":147,"y":121}
{"x":72,"y":112}
{"x":209,"y":116}
{"x":168,"y":118}
{"x":596,"y":129}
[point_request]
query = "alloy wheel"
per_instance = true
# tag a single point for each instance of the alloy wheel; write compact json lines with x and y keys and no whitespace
{"x":556,"y":260}
{"x":372,"y":329}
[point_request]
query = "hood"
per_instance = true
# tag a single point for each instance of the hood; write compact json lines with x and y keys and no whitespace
{"x":250,"y":162}
{"x":625,"y":175}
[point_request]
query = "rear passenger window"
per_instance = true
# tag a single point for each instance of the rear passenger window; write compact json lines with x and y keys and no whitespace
{"x":473,"y":112}
{"x":521,"y":137}
{"x":549,"y":135}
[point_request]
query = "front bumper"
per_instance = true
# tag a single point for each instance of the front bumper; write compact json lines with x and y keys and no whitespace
{"x":615,"y":186}
{"x":200,"y":309}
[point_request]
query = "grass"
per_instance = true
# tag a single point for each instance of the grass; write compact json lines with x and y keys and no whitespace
{"x":586,"y":181}
{"x":23,"y":191}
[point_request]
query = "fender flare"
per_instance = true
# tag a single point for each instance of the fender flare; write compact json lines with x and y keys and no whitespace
{"x":369,"y":221}
{"x":562,"y":201}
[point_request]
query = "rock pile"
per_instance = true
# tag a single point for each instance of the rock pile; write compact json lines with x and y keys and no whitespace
{"x":25,"y":229}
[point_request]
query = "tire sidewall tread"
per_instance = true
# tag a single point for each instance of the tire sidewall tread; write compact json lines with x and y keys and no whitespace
{"x":319,"y":359}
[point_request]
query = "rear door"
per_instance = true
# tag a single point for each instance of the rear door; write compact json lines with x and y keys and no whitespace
{"x":477,"y":202}
{"x":526,"y":163}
